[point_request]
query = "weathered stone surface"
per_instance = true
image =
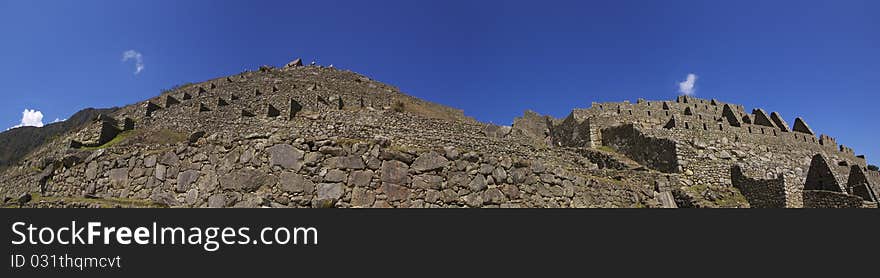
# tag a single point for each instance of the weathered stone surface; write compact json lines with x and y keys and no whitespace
{"x":493,"y":196}
{"x":332,"y":191}
{"x":285,"y":156}
{"x":486,"y":169}
{"x":478,"y":183}
{"x":170,"y":159}
{"x":360,"y":178}
{"x":374,"y":163}
{"x":163,"y":198}
{"x":802,"y":127}
{"x":312,"y":158}
{"x":821,"y":177}
{"x":519,"y":175}
{"x":150,"y":161}
{"x":334,"y":151}
{"x":208,"y":181}
{"x":246,"y":156}
{"x":731,"y":117}
{"x":395,"y":192}
{"x":432,"y":196}
{"x":428,"y":162}
{"x":474,"y":200}
{"x":499,"y":174}
{"x":246,"y":180}
{"x":457,"y":179}
{"x":119,"y":177}
{"x":217,"y":201}
{"x":533,"y":125}
{"x":761,"y":118}
{"x":449,"y":196}
{"x":511,"y":191}
{"x":777,"y":119}
{"x":295,"y":183}
{"x":395,"y":172}
{"x":192,"y":197}
{"x":335,"y":175}
{"x":396,"y":155}
{"x":427,"y":182}
{"x":350,"y":162}
{"x":92,"y":171}
{"x":185,"y":180}
{"x":361,"y":197}
{"x":136,"y":173}
{"x":538,"y":167}
{"x":451,"y":153}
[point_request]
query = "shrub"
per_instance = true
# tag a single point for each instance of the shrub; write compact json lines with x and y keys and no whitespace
{"x":873,"y":168}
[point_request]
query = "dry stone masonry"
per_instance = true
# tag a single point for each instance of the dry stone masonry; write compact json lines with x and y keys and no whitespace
{"x":714,"y":145}
{"x":313,"y":136}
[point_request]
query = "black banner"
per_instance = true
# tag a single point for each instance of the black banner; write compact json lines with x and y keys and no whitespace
{"x":412,"y":242}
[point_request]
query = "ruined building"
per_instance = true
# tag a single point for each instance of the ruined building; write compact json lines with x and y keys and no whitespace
{"x":716,"y":144}
{"x":313,"y":136}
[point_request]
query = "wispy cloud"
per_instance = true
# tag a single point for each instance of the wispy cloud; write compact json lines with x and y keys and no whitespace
{"x":137,"y":57}
{"x":30,"y":117}
{"x":688,"y":86}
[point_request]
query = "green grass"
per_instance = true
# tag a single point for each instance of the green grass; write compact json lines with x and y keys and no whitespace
{"x":726,"y":198}
{"x":119,"y":137}
{"x":162,"y":137}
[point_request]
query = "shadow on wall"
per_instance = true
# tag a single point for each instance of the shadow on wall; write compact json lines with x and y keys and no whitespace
{"x":760,"y":193}
{"x":655,"y":153}
{"x":822,"y":188}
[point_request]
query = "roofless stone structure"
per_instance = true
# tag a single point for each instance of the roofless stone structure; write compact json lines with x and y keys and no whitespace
{"x":284,"y":137}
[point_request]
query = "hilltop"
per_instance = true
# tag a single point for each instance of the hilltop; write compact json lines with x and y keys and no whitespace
{"x":314,"y":136}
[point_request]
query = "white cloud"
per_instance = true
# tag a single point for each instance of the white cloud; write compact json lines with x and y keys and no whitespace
{"x":58,"y":120}
{"x":30,"y":118}
{"x":687,"y":87}
{"x":138,"y":59}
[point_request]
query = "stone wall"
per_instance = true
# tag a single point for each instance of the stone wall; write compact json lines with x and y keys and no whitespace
{"x":572,"y":132}
{"x":761,"y":193}
{"x":307,"y":137}
{"x":657,"y":154}
{"x":273,"y":171}
{"x":711,"y":136}
{"x":829,"y":199}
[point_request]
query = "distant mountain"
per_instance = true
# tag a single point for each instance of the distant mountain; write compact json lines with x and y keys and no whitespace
{"x":18,"y":142}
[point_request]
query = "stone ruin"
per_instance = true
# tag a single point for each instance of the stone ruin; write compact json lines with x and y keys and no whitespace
{"x":101,"y":131}
{"x":716,"y":144}
{"x":284,"y":137}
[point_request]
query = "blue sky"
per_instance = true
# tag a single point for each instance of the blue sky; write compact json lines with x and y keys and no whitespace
{"x":816,"y":59}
